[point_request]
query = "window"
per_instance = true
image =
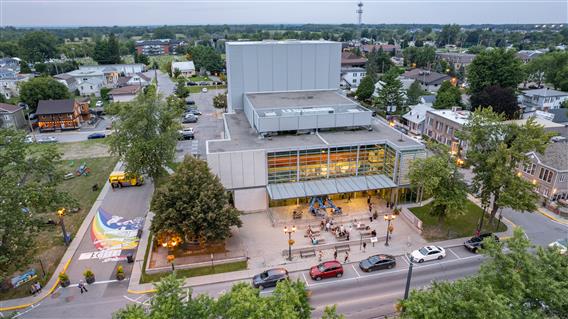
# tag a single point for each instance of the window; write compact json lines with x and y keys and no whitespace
{"x":545,"y":175}
{"x":529,"y":169}
{"x":563,"y":178}
{"x":371,"y":159}
{"x":545,"y":191}
{"x":430,"y":121}
{"x":354,"y":80}
{"x":282,"y":167}
{"x":342,"y":161}
{"x":313,"y":164}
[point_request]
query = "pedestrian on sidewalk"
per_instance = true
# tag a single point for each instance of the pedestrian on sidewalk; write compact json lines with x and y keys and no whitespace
{"x":369,"y":200}
{"x":37,"y":286}
{"x":346,"y":260}
{"x":364,"y":246}
{"x":335,"y":254}
{"x":320,"y":255}
{"x":81,"y":286}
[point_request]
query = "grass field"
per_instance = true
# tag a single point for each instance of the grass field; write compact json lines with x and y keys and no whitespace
{"x":452,"y":227}
{"x":198,"y":78}
{"x":49,"y":242}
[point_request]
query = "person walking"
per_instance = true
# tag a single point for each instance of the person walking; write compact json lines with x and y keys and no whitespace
{"x":346,"y":257}
{"x":364,"y":246}
{"x":335,"y":254}
{"x":81,"y":286}
{"x":320,"y":255}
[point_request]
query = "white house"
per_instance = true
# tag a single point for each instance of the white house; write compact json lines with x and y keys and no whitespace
{"x":135,"y":79}
{"x":351,"y":77}
{"x":10,"y":82}
{"x":126,"y":69}
{"x":186,"y":68}
{"x":541,"y":100}
{"x":414,"y":120}
{"x":124,"y":94}
{"x":89,"y":82}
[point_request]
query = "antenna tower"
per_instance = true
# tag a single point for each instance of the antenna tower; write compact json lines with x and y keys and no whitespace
{"x":360,"y":12}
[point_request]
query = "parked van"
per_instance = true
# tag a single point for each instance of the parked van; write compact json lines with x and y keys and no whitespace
{"x":120,"y":178}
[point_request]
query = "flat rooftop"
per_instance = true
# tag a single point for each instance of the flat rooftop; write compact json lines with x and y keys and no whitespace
{"x":243,"y":137}
{"x":302,"y":103}
{"x":460,"y":117}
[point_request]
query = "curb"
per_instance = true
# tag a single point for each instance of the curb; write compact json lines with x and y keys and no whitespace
{"x":547,"y":215}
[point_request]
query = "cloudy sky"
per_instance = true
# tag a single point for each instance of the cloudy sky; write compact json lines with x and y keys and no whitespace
{"x":159,"y":12}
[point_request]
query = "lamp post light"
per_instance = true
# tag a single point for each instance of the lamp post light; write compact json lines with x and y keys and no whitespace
{"x":289,"y":231}
{"x":171,"y":259}
{"x":61,"y":213}
{"x":388,"y":218}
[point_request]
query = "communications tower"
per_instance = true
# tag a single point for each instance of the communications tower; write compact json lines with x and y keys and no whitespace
{"x":360,"y":12}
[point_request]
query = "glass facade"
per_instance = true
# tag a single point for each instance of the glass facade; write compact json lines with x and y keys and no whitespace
{"x":313,"y":164}
{"x":282,"y":167}
{"x":371,"y":159}
{"x":342,"y":161}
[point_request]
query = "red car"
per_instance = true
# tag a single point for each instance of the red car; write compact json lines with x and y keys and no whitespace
{"x":326,"y":269}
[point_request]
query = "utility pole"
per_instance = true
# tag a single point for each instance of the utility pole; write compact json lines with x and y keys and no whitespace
{"x":408,"y":278}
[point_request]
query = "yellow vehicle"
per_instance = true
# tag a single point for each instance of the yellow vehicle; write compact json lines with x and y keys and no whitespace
{"x":120,"y":179}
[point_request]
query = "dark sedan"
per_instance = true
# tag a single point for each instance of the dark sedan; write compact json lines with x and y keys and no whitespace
{"x":269,"y":278}
{"x":377,"y":262}
{"x":474,"y":243}
{"x":96,"y":135}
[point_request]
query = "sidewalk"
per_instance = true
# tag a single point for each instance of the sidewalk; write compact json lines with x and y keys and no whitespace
{"x":552,"y":216}
{"x":14,"y":304}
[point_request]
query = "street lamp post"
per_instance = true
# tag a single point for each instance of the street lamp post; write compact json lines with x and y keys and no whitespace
{"x":408,"y":278}
{"x":289,"y":231}
{"x":61,"y":213}
{"x":388,"y":218}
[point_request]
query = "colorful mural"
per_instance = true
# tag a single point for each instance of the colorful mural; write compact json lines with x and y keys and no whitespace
{"x":112,"y":232}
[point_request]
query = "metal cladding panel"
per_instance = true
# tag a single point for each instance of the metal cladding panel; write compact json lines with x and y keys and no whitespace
{"x":253,"y":199}
{"x":343,"y":120}
{"x":235,"y":76}
{"x":265,"y":62}
{"x":351,"y":184}
{"x":280,"y":69}
{"x":260,"y":176}
{"x":326,"y":120}
{"x":308,"y":62}
{"x":334,"y":66}
{"x":362,"y":118}
{"x":307,"y":122}
{"x":249,"y":112}
{"x":251,"y":71}
{"x":248,"y":169}
{"x":379,"y":182}
{"x":237,"y":166}
{"x":320,"y":187}
{"x":289,"y":123}
{"x":225,"y":170}
{"x":285,"y":190}
{"x":268,"y":124}
{"x":323,"y":66}
{"x":294,"y":67}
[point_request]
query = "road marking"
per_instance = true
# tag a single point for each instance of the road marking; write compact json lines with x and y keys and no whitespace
{"x":32,"y":307}
{"x":458,"y":257}
{"x":307,"y":283}
{"x":406,"y":260}
{"x":99,"y":282}
{"x":132,"y":300}
{"x":358,"y":276}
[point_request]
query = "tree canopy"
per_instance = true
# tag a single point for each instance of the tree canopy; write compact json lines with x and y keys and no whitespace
{"x":42,"y":88}
{"x":206,"y":57}
{"x":107,"y":50}
{"x":220,"y":101}
{"x":391,"y":95}
{"x":448,"y":96}
{"x":378,"y":62}
{"x":501,"y":100}
{"x":163,"y":32}
{"x":366,"y":88}
{"x":419,"y":56}
{"x":551,"y":67}
{"x":414,"y":93}
{"x":38,"y":46}
{"x":494,"y":67}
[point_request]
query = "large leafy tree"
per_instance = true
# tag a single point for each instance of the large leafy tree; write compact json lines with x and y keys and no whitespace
{"x":552,"y":68}
{"x":163,"y":33}
{"x":366,"y":88}
{"x":494,"y":67}
{"x":414,"y":93}
{"x":193,"y":205}
{"x":448,"y":96}
{"x":392,"y":93}
{"x":501,"y":100}
{"x":438,"y":175}
{"x":206,"y":57}
{"x":448,"y":35}
{"x":42,"y":88}
{"x":28,"y":186}
{"x":419,"y":56}
{"x":38,"y":46}
{"x":220,"y":101}
{"x":145,"y":133}
{"x":512,"y":284}
{"x":495,"y":151}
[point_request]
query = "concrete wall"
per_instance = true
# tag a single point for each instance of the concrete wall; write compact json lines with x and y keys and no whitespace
{"x":243,"y":169}
{"x":252,"y":199}
{"x":280,"y":66}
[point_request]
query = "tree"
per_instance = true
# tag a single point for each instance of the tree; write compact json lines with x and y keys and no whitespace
{"x":501,"y":100}
{"x":438,"y":175}
{"x":206,"y":57}
{"x":366,"y":88}
{"x":419,"y":57}
{"x":163,"y":33}
{"x":141,"y":58}
{"x":107,"y":51}
{"x":448,"y":35}
{"x":113,"y":49}
{"x":414,"y":93}
{"x":551,"y":67}
{"x":511,"y":284}
{"x":29,"y":178}
{"x":145,"y":134}
{"x":494,"y":67}
{"x":38,"y":46}
{"x":496,"y":150}
{"x":42,"y":88}
{"x":448,"y":96}
{"x":331,"y":313}
{"x":193,"y":205}
{"x":378,"y":62}
{"x":220,"y":101}
{"x":181,"y":90}
{"x":24,"y":67}
{"x":391,"y":95}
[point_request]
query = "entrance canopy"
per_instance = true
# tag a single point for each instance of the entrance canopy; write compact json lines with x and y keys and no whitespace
{"x":328,"y":186}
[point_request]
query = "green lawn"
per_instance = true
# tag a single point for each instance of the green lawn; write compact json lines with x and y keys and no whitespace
{"x":202,"y":271}
{"x":199,"y":78}
{"x":197,"y":89}
{"x":452,"y":227}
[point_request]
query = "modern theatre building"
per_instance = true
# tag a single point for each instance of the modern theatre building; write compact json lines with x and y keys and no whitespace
{"x":290,"y":136}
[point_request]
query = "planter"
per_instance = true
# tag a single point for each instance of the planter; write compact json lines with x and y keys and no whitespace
{"x":64,"y":283}
{"x":90,"y":279}
{"x":120,"y":276}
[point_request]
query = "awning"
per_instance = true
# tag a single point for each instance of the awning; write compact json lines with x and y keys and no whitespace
{"x":328,"y":186}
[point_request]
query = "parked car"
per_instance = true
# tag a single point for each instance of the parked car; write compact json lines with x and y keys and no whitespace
{"x":427,"y":253}
{"x":269,"y":278}
{"x":474,"y":243}
{"x":186,"y":134}
{"x":204,"y":90}
{"x":326,"y":269}
{"x":96,"y":135}
{"x":377,"y":262}
{"x":191,"y":83}
{"x":193,"y":111}
{"x":48,"y":139}
{"x":561,"y":244}
{"x":189,"y":118}
{"x":99,"y":104}
{"x":190,"y":102}
{"x":203,"y":83}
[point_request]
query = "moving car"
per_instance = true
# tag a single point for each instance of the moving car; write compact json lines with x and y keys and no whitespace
{"x":269,"y":278}
{"x":120,"y":179}
{"x":189,"y":118}
{"x":561,"y":244}
{"x":427,"y":253}
{"x":204,"y":90}
{"x":186,"y":134}
{"x":95,"y":136}
{"x":474,"y":243}
{"x":326,"y":269}
{"x":377,"y":262}
{"x":48,"y":139}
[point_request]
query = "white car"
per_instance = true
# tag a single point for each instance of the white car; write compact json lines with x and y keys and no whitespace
{"x":427,"y":253}
{"x":99,"y":104}
{"x":561,"y":244}
{"x":204,"y":90}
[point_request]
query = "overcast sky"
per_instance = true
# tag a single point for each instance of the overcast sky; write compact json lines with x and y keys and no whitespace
{"x":171,"y":12}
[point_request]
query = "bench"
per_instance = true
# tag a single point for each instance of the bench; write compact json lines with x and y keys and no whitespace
{"x":315,"y":234}
{"x":366,"y":233}
{"x":342,"y":248}
{"x":321,"y":241}
{"x":342,"y":238}
{"x":361,"y":227}
{"x":307,"y":253}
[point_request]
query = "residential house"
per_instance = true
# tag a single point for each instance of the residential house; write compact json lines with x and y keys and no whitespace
{"x":158,"y":47}
{"x":527,"y":55}
{"x":393,"y":49}
{"x":10,"y":82}
{"x":414,"y":120}
{"x":351,"y":60}
{"x":541,"y":100}
{"x":442,"y":125}
{"x":12,"y":64}
{"x":120,"y":69}
{"x":68,"y":80}
{"x":124,"y":94}
{"x":11,"y":116}
{"x":430,"y":81}
{"x":351,"y":77}
{"x":58,"y":115}
{"x":548,"y":125}
{"x":136,"y":79}
{"x":186,"y":68}
{"x":459,"y":61}
{"x":90,"y":82}
{"x":549,"y":171}
{"x":84,"y":108}
{"x":560,"y":116}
